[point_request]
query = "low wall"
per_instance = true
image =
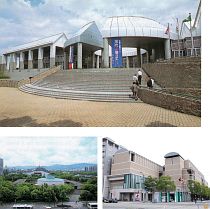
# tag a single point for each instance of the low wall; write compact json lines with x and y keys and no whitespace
{"x":194,"y":92}
{"x":170,"y":102}
{"x":175,"y":75}
{"x":8,"y":83}
{"x":16,"y":84}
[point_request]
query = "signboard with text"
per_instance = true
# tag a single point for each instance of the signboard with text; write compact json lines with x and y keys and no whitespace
{"x":116,"y":52}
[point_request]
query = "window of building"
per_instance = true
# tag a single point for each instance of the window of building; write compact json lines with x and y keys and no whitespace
{"x":132,"y":157}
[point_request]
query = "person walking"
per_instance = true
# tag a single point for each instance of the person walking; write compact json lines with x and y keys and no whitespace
{"x":135,"y":79}
{"x":139,"y":76}
{"x":135,"y":91}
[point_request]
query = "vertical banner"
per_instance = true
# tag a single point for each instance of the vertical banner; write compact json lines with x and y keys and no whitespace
{"x":71,"y":57}
{"x":117,"y":52}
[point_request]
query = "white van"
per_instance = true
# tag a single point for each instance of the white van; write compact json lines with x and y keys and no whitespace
{"x":92,"y":205}
{"x":22,"y":206}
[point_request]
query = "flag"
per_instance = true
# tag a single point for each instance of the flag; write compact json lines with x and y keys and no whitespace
{"x":188,"y":18}
{"x":177,"y":26}
{"x":167,"y":30}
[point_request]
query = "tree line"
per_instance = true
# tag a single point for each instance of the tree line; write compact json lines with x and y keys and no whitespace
{"x":166,"y":184}
{"x":10,"y":192}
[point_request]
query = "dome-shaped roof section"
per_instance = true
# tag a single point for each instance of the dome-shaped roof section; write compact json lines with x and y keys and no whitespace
{"x":122,"y":26}
{"x":172,"y":154}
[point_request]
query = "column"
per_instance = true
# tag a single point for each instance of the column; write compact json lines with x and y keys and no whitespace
{"x":79,"y":55}
{"x":153,"y":55}
{"x":97,"y":61}
{"x":8,"y":62}
{"x":141,"y":59}
{"x":94,"y":60}
{"x":12,"y":64}
{"x":167,"y":49}
{"x":40,"y":58}
{"x":105,"y":55}
{"x":147,"y":55}
{"x":138,"y":57}
{"x":21,"y":60}
{"x":30,"y":59}
{"x":4,"y":61}
{"x":110,"y":61}
{"x":127,"y":62}
{"x":52,"y":55}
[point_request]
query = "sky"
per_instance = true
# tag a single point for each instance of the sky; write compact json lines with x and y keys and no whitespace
{"x":35,"y":151}
{"x":192,"y":144}
{"x":23,"y":21}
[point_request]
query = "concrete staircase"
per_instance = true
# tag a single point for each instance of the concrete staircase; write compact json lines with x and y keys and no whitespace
{"x":108,"y":85}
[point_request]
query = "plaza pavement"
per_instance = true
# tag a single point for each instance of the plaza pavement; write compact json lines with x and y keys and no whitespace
{"x":27,"y":110}
{"x":137,"y":205}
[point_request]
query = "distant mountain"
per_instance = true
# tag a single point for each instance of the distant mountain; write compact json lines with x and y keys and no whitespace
{"x":56,"y":167}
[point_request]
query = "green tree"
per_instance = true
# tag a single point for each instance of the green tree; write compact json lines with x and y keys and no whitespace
{"x":165,"y":184}
{"x":89,"y":190}
{"x":150,"y":184}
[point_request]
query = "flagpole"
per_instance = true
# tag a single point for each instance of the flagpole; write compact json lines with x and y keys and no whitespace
{"x":169,"y":39}
{"x":192,"y":42}
{"x":178,"y":36}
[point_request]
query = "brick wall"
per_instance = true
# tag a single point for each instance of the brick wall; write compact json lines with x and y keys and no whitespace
{"x":170,"y":102}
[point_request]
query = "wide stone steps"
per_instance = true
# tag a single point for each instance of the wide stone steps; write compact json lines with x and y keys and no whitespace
{"x":79,"y":95}
{"x":111,"y":85}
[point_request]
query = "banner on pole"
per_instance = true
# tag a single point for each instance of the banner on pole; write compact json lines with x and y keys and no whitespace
{"x":71,"y":57}
{"x":117,"y":52}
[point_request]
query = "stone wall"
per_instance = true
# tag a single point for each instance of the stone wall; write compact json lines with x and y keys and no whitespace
{"x":170,"y":102}
{"x":175,"y":75}
{"x":16,"y":84}
{"x":8,"y":83}
{"x":191,"y":92}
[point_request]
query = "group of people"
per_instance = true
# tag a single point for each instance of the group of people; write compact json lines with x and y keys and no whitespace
{"x":137,"y":78}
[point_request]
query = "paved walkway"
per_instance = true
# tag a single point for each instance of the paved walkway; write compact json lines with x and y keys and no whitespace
{"x":135,"y":205}
{"x":22,"y":109}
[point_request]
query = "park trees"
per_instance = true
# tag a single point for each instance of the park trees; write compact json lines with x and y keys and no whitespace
{"x":89,"y":190}
{"x":10,"y":192}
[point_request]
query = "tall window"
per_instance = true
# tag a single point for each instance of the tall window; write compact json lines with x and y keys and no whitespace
{"x":132,"y":157}
{"x":132,"y":181}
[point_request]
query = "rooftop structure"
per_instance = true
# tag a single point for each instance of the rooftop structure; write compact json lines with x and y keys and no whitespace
{"x":50,"y":180}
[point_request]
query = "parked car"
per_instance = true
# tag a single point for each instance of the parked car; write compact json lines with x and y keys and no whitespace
{"x":105,"y":200}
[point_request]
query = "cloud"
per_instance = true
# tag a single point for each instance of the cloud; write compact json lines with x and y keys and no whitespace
{"x":26,"y":20}
{"x":48,"y":150}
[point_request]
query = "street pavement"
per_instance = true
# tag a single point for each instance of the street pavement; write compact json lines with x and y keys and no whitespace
{"x":20,"y":109}
{"x":140,"y":205}
{"x":78,"y":205}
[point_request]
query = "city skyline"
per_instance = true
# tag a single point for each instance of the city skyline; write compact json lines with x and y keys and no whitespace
{"x":27,"y":20}
{"x":42,"y":151}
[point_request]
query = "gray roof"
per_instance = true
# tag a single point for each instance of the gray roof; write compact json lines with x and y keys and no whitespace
{"x":88,"y":34}
{"x":172,"y":154}
{"x":41,"y":42}
{"x":134,"y":26}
